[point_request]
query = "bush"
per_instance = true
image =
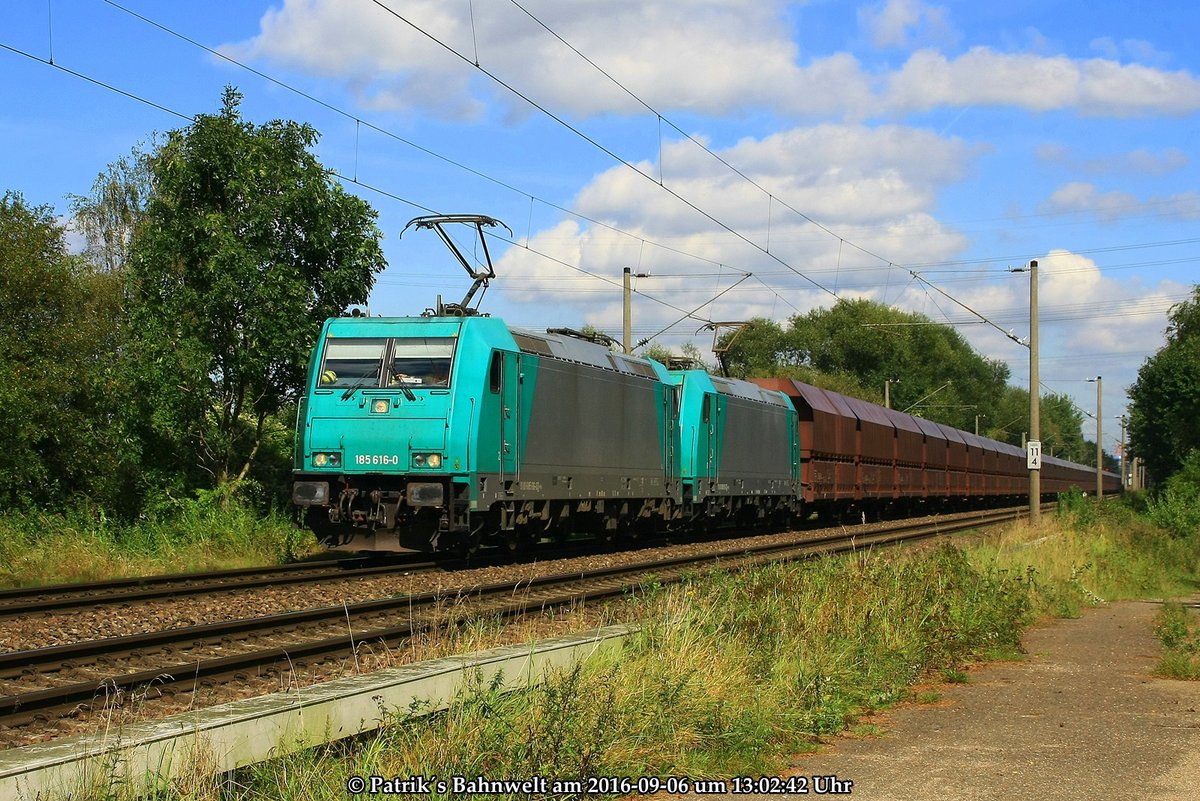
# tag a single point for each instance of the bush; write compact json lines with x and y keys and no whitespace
{"x":1181,"y":643}
{"x":1177,"y":507}
{"x":1074,"y":504}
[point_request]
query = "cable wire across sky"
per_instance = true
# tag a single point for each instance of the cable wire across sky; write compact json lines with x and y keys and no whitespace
{"x":761,"y":277}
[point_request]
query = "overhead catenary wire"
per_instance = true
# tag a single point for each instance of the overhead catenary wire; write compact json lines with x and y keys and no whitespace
{"x":691,"y":314}
{"x":983,"y":318}
{"x":770,"y":196}
{"x":841,"y":240}
{"x":359,"y":122}
{"x":760,"y":275}
{"x":600,"y":146}
{"x":340,"y":176}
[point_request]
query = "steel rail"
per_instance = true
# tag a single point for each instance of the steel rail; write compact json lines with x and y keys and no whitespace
{"x":16,"y":663}
{"x":61,"y":597}
{"x":572,"y":587}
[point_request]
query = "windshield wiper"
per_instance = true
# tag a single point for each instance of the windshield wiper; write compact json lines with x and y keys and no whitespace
{"x":349,"y":393}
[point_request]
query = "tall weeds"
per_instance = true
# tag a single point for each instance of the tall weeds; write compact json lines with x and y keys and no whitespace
{"x":1180,"y":637}
{"x":82,"y":543}
{"x":729,"y":675}
{"x":732,"y":674}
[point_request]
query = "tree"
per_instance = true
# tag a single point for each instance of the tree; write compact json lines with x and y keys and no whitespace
{"x":858,"y":345}
{"x":246,"y":246}
{"x":59,"y":336}
{"x":1164,"y":411}
{"x":689,"y":353}
{"x":1062,"y":430}
{"x":108,"y":216}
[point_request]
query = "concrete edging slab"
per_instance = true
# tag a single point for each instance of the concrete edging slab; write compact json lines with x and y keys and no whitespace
{"x":243,"y":732}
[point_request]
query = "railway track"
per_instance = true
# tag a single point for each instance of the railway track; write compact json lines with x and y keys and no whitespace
{"x":45,"y":683}
{"x":23,"y":601}
{"x":62,"y":597}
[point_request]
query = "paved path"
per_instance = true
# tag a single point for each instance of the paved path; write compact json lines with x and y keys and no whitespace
{"x":1081,"y":718}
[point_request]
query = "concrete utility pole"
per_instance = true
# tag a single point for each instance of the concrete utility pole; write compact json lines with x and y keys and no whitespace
{"x":887,"y":391}
{"x":1033,"y":454}
{"x":627,"y":317}
{"x":1099,"y":382}
{"x":1124,"y":456}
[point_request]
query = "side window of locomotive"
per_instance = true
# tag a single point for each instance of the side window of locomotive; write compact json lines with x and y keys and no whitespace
{"x":421,"y":362}
{"x":496,"y":371}
{"x":706,"y":409}
{"x":351,"y":363}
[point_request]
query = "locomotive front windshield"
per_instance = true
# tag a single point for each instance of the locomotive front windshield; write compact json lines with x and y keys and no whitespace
{"x":414,"y":362}
{"x":352,"y":363}
{"x":421,"y":362}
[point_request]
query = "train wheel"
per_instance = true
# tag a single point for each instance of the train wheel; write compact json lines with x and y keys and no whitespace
{"x":520,"y":540}
{"x":468,"y":545}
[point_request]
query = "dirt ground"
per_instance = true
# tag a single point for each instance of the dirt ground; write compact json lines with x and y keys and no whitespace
{"x":1080,"y":718}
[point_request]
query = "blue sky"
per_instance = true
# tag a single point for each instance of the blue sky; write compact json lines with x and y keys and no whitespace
{"x":955,"y":140}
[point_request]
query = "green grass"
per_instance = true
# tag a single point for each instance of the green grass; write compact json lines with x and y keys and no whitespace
{"x":730,"y":675}
{"x":84,"y":545}
{"x":1179,"y":633}
{"x":867,"y":730}
{"x":928,"y":696}
{"x":733,"y":674}
{"x":1082,"y":558}
{"x":955,"y":676}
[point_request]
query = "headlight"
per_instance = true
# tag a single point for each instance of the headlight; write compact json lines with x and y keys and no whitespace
{"x":430,"y":460}
{"x":326,"y":459}
{"x":380,"y":406}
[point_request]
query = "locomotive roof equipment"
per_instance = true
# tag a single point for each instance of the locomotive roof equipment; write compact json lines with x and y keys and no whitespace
{"x":482,"y":277}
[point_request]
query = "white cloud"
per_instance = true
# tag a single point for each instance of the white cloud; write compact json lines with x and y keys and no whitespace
{"x":983,"y":76}
{"x":897,"y":23}
{"x":875,"y":187}
{"x":1146,"y":163}
{"x":1134,"y":49}
{"x":703,"y":56}
{"x":1137,"y":162}
{"x":1081,"y":197}
{"x":1090,"y":323}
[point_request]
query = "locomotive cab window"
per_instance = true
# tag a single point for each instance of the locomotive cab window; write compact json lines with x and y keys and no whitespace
{"x":422,"y":362}
{"x":496,"y":372}
{"x":351,"y":363}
